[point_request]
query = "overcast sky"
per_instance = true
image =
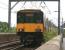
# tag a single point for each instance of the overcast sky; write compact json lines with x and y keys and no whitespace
{"x":48,"y":9}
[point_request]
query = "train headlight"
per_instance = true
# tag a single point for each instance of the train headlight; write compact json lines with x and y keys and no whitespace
{"x":38,"y":30}
{"x":21,"y":30}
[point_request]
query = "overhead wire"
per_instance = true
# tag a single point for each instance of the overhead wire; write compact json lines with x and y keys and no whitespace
{"x":33,"y":5}
{"x":47,"y":7}
{"x":23,"y":4}
{"x":40,"y":4}
{"x":20,"y":8}
{"x":15,"y":5}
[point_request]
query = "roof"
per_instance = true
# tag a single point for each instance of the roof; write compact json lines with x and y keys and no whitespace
{"x":33,"y":0}
{"x":29,"y":10}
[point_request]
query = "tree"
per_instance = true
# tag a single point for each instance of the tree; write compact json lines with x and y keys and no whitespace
{"x":4,"y":27}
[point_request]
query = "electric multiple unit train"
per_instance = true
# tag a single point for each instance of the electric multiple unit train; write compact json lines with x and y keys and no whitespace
{"x":30,"y":27}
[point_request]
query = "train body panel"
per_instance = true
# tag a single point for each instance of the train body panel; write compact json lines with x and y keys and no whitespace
{"x":30,"y":27}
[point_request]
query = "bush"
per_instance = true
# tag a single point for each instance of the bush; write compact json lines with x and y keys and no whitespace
{"x":4,"y":27}
{"x":50,"y":34}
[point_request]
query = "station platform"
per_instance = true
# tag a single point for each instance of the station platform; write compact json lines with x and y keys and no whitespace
{"x":53,"y":44}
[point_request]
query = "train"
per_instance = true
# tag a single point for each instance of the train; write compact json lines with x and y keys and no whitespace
{"x":30,"y":27}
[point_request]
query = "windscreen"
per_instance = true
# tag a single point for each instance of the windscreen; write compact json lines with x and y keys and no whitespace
{"x":29,"y":18}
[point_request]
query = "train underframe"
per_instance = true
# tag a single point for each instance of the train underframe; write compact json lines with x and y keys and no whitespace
{"x":31,"y":39}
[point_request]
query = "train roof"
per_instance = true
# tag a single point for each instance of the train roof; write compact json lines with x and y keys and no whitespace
{"x":29,"y":10}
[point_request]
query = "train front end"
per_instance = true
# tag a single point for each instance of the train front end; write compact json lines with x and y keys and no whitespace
{"x":30,"y":27}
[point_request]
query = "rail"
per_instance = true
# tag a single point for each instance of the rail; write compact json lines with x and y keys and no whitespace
{"x":8,"y":45}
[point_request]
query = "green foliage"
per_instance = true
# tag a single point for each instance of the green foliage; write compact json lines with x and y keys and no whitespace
{"x":50,"y":34}
{"x":64,"y":33}
{"x":4,"y":27}
{"x":12,"y":29}
{"x":51,"y":30}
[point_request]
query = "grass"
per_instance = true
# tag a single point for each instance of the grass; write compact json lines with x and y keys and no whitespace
{"x":64,"y":33}
{"x":50,"y":34}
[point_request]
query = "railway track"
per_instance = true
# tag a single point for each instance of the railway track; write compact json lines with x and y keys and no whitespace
{"x":8,"y":45}
{"x":13,"y":45}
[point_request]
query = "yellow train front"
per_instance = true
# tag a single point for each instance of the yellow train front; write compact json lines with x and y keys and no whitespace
{"x":30,"y":27}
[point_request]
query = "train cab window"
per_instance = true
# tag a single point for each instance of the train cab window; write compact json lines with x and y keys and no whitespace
{"x":20,"y":18}
{"x":38,"y":18}
{"x":39,"y":21}
{"x":29,"y":19}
